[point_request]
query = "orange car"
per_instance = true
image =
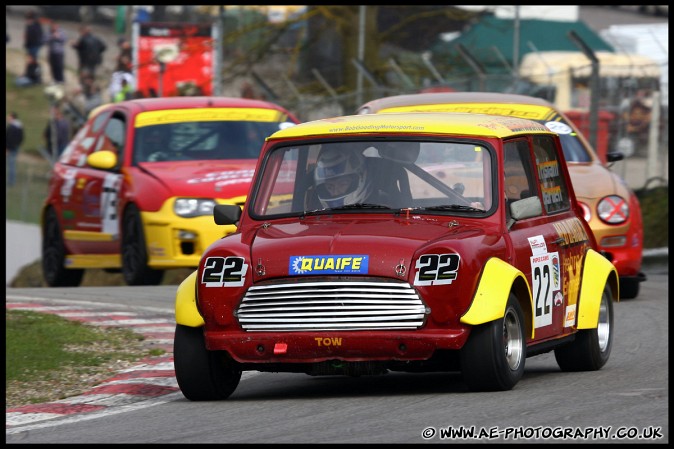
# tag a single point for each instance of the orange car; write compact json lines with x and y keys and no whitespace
{"x":134,"y":190}
{"x":610,"y":207}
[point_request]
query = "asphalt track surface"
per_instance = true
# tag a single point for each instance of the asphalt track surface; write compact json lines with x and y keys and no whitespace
{"x":630,"y":391}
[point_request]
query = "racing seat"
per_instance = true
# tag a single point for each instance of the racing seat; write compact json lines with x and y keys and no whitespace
{"x":391,"y":179}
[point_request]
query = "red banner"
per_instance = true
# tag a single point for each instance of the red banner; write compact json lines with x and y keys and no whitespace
{"x":173,"y":59}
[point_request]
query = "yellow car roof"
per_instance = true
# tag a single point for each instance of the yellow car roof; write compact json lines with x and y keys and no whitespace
{"x":442,"y":123}
{"x":528,"y":111}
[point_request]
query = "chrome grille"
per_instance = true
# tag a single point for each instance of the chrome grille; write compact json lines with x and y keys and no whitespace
{"x":331,"y":306}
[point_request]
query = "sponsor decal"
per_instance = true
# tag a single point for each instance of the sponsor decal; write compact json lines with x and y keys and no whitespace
{"x":68,"y":183}
{"x":555,"y":272}
{"x":207,"y":115}
{"x":91,"y":201}
{"x":224,"y":272}
{"x":570,"y":315}
{"x":224,"y":178}
{"x":542,"y":288}
{"x":559,"y":299}
{"x":109,"y":203}
{"x":572,"y":231}
{"x":537,"y":244}
{"x":157,"y":250}
{"x":558,"y":127}
{"x":343,"y":264}
{"x":436,"y":269}
{"x":328,"y":341}
{"x":552,"y":195}
{"x":548,"y":170}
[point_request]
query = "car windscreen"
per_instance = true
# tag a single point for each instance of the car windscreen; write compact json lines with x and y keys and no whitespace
{"x":376,"y":176}
{"x":574,"y":150}
{"x":207,"y":140}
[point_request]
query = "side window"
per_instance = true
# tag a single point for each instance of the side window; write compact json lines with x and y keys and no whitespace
{"x":552,"y":183}
{"x":520,"y":181}
{"x":114,"y":136}
{"x":98,"y":122}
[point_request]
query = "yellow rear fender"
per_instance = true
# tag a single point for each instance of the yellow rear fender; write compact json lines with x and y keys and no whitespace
{"x":597,"y":272}
{"x":187,"y":313}
{"x":498,"y":279}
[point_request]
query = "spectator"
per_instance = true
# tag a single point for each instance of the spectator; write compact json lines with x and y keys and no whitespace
{"x":59,"y":125}
{"x":90,"y":50}
{"x":13,"y":142}
{"x":125,"y":92}
{"x":32,"y":75}
{"x":125,"y":56}
{"x":56,"y":42}
{"x":116,"y":83}
{"x":89,"y":95}
{"x":33,"y":37}
{"x":247,"y":90}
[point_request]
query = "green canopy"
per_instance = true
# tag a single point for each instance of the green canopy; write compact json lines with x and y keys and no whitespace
{"x":490,"y":42}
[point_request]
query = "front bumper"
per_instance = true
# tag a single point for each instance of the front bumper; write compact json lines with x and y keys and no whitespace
{"x":314,"y":347}
{"x":177,"y":242}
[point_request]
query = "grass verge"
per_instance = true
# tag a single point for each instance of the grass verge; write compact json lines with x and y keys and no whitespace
{"x":50,"y":358}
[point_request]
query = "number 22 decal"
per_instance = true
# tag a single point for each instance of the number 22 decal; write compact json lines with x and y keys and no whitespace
{"x":541,"y":277}
{"x":437,"y":269}
{"x":224,"y":272}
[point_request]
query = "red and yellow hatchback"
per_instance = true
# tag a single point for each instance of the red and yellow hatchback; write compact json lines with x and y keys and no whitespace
{"x":399,"y":242}
{"x":135,"y":188}
{"x":610,"y":207}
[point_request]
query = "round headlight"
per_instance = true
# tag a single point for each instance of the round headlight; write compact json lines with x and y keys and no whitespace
{"x":613,"y":210}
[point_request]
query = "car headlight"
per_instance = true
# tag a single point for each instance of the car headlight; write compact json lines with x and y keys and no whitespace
{"x":193,"y":207}
{"x":613,"y":210}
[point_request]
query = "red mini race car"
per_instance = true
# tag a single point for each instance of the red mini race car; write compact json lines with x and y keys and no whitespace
{"x":399,"y":242}
{"x":135,"y":189}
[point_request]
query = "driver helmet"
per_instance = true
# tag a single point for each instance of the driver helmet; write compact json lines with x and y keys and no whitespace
{"x":340,"y":177}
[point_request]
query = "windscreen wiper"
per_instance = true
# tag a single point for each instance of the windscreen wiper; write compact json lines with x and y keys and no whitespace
{"x":454,"y":207}
{"x":360,"y":206}
{"x":346,"y":207}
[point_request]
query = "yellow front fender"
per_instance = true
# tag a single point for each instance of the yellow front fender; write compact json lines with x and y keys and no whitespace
{"x":491,"y":297}
{"x":187,"y":313}
{"x":597,"y":271}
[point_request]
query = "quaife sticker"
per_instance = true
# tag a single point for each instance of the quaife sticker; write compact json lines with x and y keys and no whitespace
{"x":344,"y":264}
{"x":224,"y":272}
{"x":436,"y":269}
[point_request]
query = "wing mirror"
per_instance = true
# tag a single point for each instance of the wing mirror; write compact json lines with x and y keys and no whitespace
{"x":103,"y":160}
{"x":226,"y":214}
{"x":526,"y":208}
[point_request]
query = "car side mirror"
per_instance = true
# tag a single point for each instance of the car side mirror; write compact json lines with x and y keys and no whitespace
{"x":102,"y":160}
{"x":614,"y":156}
{"x":526,"y":208}
{"x":226,"y":214}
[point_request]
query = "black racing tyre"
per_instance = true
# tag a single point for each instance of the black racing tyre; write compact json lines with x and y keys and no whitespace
{"x":493,"y":357}
{"x":629,"y":288}
{"x":592,"y":347}
{"x":202,"y":375}
{"x":54,"y":255}
{"x":134,"y":251}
